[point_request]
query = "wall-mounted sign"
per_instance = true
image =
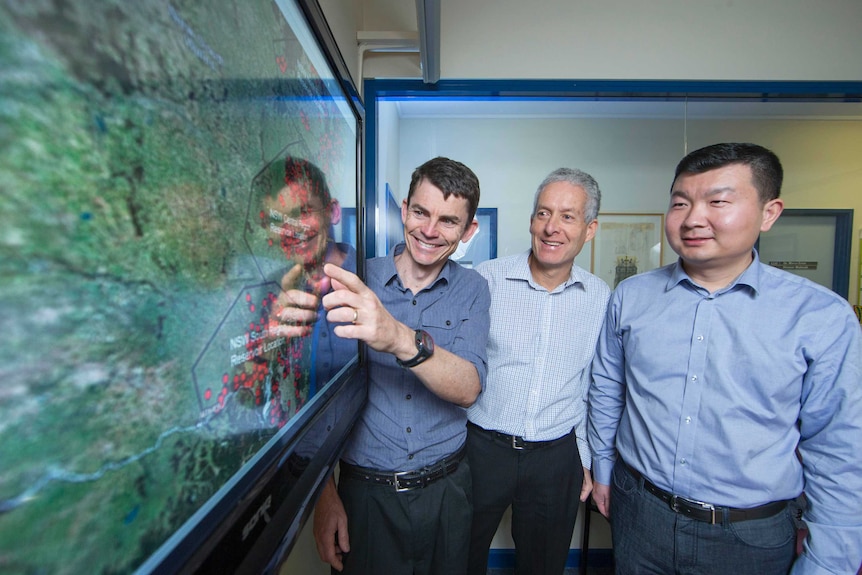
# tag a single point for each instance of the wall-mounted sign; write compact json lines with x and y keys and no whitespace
{"x":794,"y":265}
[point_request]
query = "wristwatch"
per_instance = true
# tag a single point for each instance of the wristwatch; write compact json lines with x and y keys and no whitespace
{"x":424,"y":349}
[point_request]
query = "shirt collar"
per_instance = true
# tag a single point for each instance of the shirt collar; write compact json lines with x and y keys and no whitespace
{"x":521,"y":271}
{"x":390,"y":273}
{"x":749,"y":278}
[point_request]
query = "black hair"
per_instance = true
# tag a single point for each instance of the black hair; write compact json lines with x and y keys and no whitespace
{"x":452,"y":178}
{"x":766,"y":171}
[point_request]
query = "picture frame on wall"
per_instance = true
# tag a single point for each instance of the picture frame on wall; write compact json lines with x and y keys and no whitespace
{"x":811,"y":243}
{"x":626,"y":244}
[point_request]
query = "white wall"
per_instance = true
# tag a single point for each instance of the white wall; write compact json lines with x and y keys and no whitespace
{"x":659,"y":39}
{"x":631,"y":39}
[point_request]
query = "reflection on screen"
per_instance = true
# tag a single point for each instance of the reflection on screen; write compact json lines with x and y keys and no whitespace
{"x":173,"y":176}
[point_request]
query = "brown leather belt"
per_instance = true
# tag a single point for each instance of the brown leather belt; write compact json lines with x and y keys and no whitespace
{"x":707,"y":512}
{"x":405,"y":480}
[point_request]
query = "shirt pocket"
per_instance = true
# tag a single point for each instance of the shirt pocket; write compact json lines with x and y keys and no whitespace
{"x":443,"y":329}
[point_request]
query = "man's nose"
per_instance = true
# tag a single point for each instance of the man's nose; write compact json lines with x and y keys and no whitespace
{"x":552,"y":224}
{"x":430,"y":227}
{"x":695,"y":216}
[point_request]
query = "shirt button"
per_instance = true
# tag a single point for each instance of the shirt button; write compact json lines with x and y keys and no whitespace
{"x":683,"y":461}
{"x":409,"y":396}
{"x":688,"y":419}
{"x":694,"y":378}
{"x":410,"y":456}
{"x":409,"y":430}
{"x":414,"y":302}
{"x":700,"y":338}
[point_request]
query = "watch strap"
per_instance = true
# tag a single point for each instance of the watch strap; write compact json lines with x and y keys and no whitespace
{"x":423,"y":351}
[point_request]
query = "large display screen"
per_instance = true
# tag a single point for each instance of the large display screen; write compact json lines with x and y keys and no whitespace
{"x":172,"y":174}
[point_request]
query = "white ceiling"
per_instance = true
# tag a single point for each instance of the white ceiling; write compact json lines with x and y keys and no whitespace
{"x":570,"y":108}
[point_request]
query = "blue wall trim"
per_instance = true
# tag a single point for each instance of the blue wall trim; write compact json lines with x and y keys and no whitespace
{"x":604,"y":89}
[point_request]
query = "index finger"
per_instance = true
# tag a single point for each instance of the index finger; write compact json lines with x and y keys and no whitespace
{"x":348,"y":279}
{"x":289,"y":280}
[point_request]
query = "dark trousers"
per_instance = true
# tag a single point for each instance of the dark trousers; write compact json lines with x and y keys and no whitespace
{"x":419,"y":532}
{"x":543,"y":487}
{"x":649,"y":537}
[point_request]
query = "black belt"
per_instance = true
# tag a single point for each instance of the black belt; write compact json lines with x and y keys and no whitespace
{"x":707,"y":512}
{"x":405,"y":480}
{"x":515,"y":441}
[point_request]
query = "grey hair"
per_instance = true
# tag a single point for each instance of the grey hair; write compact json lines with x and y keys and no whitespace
{"x":576,"y":178}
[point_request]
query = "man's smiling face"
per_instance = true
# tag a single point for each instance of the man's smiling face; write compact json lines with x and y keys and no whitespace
{"x":433,"y":226}
{"x":558,"y":227}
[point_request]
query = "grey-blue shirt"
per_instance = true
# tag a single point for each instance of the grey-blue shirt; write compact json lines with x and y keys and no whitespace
{"x":710,"y":395}
{"x":404,"y":426}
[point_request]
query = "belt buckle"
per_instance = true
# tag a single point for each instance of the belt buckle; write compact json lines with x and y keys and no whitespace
{"x":675,"y":500}
{"x":517,"y":442}
{"x":398,"y":488}
{"x":708,"y":507}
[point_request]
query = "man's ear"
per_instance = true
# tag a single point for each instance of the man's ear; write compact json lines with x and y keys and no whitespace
{"x":335,"y":213}
{"x":771,"y":210}
{"x":470,"y":230}
{"x":591,"y":230}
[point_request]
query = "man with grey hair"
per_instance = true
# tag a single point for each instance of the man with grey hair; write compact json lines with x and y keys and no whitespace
{"x":526,"y":434}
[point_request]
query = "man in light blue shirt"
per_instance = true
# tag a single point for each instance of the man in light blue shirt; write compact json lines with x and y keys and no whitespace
{"x":526,"y":440}
{"x":722,"y":389}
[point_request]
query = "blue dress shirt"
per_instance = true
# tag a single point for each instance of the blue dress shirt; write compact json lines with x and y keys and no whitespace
{"x":539,"y":352}
{"x":709,"y":395}
{"x":404,"y":426}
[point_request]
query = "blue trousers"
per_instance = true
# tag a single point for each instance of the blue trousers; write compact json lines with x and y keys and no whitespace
{"x":649,"y":537}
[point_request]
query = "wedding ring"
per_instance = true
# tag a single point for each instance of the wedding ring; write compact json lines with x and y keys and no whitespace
{"x":355,"y":315}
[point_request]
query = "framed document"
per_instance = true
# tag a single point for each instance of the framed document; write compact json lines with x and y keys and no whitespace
{"x":625,"y":245}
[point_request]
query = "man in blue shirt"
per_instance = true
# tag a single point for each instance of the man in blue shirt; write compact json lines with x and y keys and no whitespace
{"x":722,"y":388}
{"x":526,"y":439}
{"x":404,"y":502}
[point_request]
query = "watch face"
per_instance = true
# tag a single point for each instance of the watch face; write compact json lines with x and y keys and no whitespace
{"x":424,"y":349}
{"x":424,"y":342}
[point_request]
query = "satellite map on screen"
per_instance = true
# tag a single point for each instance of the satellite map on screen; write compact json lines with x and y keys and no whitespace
{"x":168,"y":169}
